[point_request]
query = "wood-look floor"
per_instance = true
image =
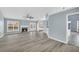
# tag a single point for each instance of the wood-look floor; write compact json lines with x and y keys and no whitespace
{"x":74,"y":39}
{"x":33,"y":42}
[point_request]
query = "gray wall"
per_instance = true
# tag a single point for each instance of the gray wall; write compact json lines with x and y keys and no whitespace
{"x":1,"y":23}
{"x":57,"y":24}
{"x":22,"y":23}
{"x":44,"y":24}
{"x":73,"y":19}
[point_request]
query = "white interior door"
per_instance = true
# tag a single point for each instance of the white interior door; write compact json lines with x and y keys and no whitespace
{"x":68,"y":31}
{"x":32,"y":26}
{"x":69,"y":28}
{"x":40,"y":25}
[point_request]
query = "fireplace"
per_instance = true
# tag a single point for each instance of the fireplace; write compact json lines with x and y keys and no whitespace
{"x":24,"y":29}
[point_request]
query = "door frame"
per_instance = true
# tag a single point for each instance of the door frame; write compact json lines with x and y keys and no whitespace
{"x":35,"y":25}
{"x":67,"y":24}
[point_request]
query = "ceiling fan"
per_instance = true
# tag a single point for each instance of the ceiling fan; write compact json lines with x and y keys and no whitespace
{"x":29,"y":16}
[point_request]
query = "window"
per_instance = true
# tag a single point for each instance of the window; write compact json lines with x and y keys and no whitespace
{"x":12,"y":26}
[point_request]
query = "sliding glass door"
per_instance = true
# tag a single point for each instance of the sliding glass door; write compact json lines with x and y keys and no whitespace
{"x":12,"y":26}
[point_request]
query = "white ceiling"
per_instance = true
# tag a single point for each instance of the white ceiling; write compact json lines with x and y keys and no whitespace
{"x":36,"y":12}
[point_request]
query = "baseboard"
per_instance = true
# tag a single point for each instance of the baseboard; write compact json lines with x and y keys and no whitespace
{"x":56,"y":39}
{"x":2,"y":36}
{"x":8,"y":33}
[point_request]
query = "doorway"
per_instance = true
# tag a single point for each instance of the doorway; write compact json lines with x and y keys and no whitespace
{"x":32,"y":26}
{"x":73,"y":27}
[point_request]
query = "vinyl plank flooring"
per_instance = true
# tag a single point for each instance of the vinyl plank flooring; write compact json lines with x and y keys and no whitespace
{"x":33,"y":42}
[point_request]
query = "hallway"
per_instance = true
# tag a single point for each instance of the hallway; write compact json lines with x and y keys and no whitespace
{"x":32,"y":42}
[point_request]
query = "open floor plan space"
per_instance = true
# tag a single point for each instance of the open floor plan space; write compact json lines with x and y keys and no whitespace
{"x":33,"y":42}
{"x":39,"y":29}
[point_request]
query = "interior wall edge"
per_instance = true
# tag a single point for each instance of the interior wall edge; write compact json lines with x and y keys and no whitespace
{"x":57,"y":39}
